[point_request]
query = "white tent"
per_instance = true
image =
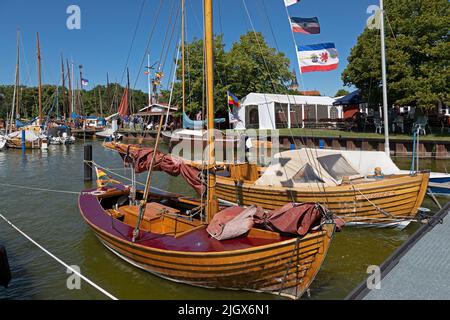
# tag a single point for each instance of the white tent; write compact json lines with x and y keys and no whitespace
{"x":272,"y":111}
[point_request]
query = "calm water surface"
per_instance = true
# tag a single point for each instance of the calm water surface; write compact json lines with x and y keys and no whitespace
{"x":53,"y":220}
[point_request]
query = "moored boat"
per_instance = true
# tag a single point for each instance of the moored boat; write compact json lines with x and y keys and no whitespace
{"x":174,"y":246}
{"x":197,"y":242}
{"x":312,"y":175}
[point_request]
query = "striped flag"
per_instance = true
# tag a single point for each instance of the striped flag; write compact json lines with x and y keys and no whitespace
{"x":233,"y":100}
{"x":305,"y":25}
{"x":290,"y":2}
{"x":318,"y":57}
{"x":84,"y":82}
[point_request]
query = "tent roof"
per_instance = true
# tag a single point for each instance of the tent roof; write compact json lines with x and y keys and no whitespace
{"x":350,"y":99}
{"x":262,"y":98}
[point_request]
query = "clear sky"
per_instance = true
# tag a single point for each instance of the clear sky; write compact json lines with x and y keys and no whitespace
{"x":103,"y":43}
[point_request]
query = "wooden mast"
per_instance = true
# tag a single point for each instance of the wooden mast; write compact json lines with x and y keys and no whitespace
{"x":183,"y":56}
{"x":18,"y":75}
{"x":69,"y":96}
{"x":212,"y":205}
{"x":39,"y":78}
{"x":63,"y":89}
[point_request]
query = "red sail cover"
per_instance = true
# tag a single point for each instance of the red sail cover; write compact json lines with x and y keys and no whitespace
{"x":124,"y":109}
{"x":163,"y":162}
{"x":292,"y":219}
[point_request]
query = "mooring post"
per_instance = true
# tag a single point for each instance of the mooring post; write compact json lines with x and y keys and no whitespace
{"x":88,"y":162}
{"x":23,"y":141}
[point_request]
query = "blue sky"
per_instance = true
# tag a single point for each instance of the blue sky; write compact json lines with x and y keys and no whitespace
{"x":107,"y":27}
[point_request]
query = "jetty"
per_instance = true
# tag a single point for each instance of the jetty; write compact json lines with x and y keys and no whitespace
{"x":419,"y":269}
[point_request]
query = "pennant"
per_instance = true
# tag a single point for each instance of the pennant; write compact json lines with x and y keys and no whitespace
{"x":232,"y":100}
{"x":318,"y":57}
{"x":305,"y":25}
{"x":290,"y":2}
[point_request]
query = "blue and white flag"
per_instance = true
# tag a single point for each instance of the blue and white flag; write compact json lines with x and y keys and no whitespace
{"x":318,"y":57}
{"x":84,"y":82}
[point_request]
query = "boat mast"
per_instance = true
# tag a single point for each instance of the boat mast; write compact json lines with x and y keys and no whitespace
{"x":385,"y":93}
{"x":183,"y":56}
{"x":212,"y":205}
{"x":70,"y":93}
{"x":18,"y":75}
{"x":149,"y":80}
{"x":14,"y":105}
{"x":39,"y":79}
{"x":63,"y":89}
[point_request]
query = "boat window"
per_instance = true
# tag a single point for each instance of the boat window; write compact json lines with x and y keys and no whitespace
{"x":337,"y":166}
{"x":307,"y":175}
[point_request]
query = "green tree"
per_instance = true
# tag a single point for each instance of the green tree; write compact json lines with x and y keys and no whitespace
{"x":341,"y":93}
{"x":417,"y":55}
{"x":250,"y":66}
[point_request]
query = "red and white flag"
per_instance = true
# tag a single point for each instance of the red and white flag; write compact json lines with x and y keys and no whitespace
{"x":318,"y":57}
{"x":290,"y":2}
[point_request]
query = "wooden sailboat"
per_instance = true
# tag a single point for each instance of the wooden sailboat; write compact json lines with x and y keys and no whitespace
{"x":167,"y":234}
{"x":389,"y":201}
{"x":34,"y":139}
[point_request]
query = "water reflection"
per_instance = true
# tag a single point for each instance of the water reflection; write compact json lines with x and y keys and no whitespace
{"x":54,"y":221}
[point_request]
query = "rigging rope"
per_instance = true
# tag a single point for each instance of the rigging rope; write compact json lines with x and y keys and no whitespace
{"x":106,"y":293}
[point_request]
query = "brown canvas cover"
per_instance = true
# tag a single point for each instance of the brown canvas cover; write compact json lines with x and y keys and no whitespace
{"x":142,"y":158}
{"x":293,"y":219}
{"x":232,"y":222}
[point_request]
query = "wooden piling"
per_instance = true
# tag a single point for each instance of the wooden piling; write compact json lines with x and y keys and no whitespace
{"x":88,"y":168}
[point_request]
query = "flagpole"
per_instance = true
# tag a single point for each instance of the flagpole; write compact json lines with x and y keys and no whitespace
{"x":296,"y":47}
{"x":385,"y":93}
{"x":149,"y":80}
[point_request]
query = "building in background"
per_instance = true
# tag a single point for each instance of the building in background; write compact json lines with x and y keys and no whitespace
{"x":273,"y":111}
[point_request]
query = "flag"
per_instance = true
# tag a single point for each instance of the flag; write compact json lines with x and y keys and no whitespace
{"x":290,"y":2}
{"x":103,"y":180}
{"x":305,"y":25}
{"x":232,"y":100}
{"x":233,"y":116}
{"x":318,"y":57}
{"x":84,"y":82}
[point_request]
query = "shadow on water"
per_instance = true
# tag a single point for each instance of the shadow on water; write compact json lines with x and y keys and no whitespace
{"x":53,"y":220}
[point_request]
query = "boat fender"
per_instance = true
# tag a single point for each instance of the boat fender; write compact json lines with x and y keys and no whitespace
{"x":5,"y":271}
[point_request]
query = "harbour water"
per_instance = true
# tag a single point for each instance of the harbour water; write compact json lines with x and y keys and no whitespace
{"x":51,"y":218}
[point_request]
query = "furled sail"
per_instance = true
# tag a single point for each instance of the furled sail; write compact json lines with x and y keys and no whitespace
{"x":142,"y":158}
{"x":124,"y":109}
{"x":197,"y":125}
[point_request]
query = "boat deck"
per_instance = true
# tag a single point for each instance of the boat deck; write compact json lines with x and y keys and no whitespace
{"x":419,"y":270}
{"x":196,"y":241}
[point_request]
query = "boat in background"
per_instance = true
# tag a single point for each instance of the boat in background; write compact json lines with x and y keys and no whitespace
{"x":326,"y":176}
{"x":2,"y":142}
{"x":16,"y":131}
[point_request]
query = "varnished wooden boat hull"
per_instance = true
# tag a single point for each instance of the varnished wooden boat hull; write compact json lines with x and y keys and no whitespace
{"x":375,"y":203}
{"x":17,"y":144}
{"x":284,"y":266}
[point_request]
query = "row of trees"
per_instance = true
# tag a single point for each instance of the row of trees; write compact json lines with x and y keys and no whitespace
{"x":101,"y":100}
{"x":417,"y":45}
{"x":251,"y":65}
